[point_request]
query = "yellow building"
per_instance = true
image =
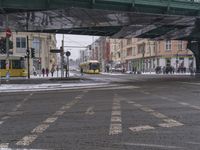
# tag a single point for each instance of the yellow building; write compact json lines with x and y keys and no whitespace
{"x":41,"y":42}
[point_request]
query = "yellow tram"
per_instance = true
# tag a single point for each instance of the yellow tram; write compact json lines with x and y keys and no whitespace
{"x":91,"y":67}
{"x":16,"y":66}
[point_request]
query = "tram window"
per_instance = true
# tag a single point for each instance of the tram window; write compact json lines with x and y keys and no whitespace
{"x":94,"y":66}
{"x":2,"y":64}
{"x":90,"y":66}
{"x":16,"y":64}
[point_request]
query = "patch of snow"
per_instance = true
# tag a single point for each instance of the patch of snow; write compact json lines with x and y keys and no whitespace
{"x":113,"y":74}
{"x":47,"y":87}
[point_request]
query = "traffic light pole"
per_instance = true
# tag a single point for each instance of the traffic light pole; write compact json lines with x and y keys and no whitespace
{"x":28,"y":57}
{"x":7,"y":52}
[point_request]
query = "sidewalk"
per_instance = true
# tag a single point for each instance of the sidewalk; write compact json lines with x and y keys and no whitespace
{"x":74,"y":78}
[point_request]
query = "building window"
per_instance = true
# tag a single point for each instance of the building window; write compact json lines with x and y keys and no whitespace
{"x":180,"y":45}
{"x":129,"y":52}
{"x":36,"y":44}
{"x":168,"y":45}
{"x":134,"y":53}
{"x":141,"y":48}
{"x":21,"y":42}
{"x":118,"y":54}
{"x":129,"y":41}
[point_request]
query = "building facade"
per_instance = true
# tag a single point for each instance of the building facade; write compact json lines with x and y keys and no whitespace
{"x":41,"y":42}
{"x":142,"y":55}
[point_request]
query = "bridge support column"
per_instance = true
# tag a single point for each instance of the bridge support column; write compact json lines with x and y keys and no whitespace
{"x":194,"y":46}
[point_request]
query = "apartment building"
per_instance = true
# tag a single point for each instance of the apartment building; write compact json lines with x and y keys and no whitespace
{"x":145,"y":55}
{"x":41,"y":42}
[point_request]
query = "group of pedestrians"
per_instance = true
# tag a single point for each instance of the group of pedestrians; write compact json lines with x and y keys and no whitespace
{"x":46,"y":72}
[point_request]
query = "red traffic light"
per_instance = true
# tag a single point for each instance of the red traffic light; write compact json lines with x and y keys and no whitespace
{"x":8,"y":33}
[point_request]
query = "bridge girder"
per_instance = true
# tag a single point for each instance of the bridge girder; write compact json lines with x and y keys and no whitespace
{"x":175,"y":7}
{"x":118,"y":18}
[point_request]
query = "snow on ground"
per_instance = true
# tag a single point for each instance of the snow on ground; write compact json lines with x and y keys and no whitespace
{"x":56,"y":75}
{"x":145,"y":73}
{"x":112,"y":74}
{"x":47,"y":87}
{"x":153,"y":73}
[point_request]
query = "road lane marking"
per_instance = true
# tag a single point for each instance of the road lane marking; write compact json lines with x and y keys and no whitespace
{"x":193,"y":143}
{"x":116,"y":112}
{"x":51,"y":120}
{"x":116,"y":107}
{"x":115,"y":128}
{"x":90,"y":111}
{"x":6,"y":117}
{"x":131,"y":102}
{"x":116,"y":121}
{"x":195,"y":107}
{"x":138,"y":105}
{"x":146,"y":109}
{"x":152,"y":146}
{"x":181,"y":103}
{"x":4,"y":145}
{"x":168,"y":122}
{"x":141,"y":128}
{"x":29,"y":139}
{"x":78,"y":97}
{"x":159,"y":115}
{"x":185,"y":104}
{"x":40,"y":129}
{"x":59,"y":113}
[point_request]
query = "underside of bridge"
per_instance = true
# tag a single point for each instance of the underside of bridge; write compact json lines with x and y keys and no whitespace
{"x":154,"y":19}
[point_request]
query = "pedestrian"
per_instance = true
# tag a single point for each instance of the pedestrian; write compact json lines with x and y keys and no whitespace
{"x":81,"y":71}
{"x":47,"y":72}
{"x":52,"y":71}
{"x":43,"y":72}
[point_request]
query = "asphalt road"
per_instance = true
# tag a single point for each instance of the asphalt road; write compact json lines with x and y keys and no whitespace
{"x":140,"y":113}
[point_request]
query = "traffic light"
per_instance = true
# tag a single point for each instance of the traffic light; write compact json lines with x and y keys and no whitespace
{"x":3,"y":45}
{"x":32,"y":53}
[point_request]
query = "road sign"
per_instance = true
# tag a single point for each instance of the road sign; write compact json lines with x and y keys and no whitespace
{"x":55,"y":51}
{"x":68,"y":53}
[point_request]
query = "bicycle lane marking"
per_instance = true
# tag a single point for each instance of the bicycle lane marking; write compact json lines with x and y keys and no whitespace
{"x":35,"y":133}
{"x":168,"y":122}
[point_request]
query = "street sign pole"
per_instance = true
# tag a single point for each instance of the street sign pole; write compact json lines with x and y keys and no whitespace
{"x":62,"y":58}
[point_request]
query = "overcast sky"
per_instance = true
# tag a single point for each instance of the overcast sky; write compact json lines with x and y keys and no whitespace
{"x":75,"y":40}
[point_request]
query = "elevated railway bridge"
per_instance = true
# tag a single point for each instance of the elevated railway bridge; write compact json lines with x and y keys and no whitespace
{"x":154,"y":19}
